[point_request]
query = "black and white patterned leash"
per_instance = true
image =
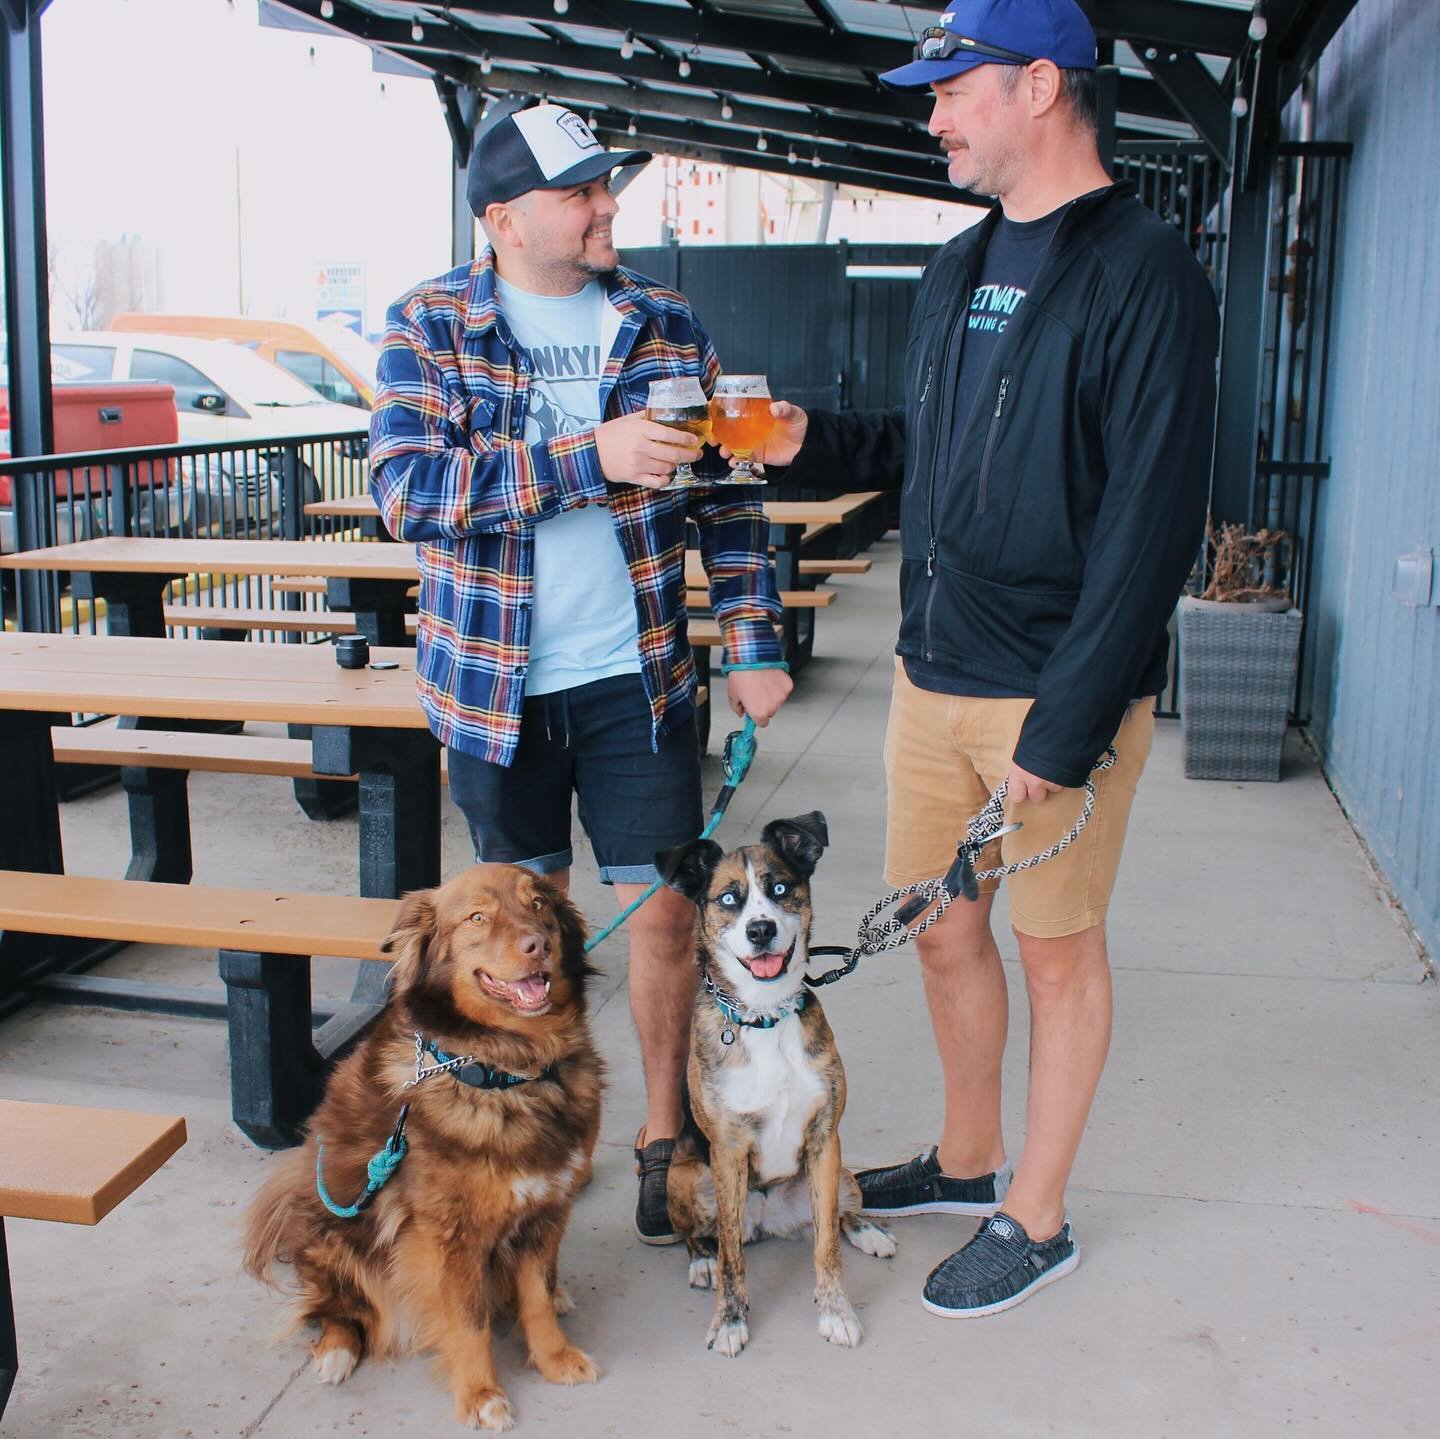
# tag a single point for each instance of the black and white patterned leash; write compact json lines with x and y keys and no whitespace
{"x":875,"y":935}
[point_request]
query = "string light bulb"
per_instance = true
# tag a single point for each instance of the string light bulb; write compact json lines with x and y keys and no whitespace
{"x":683,"y":68}
{"x":631,"y":130}
{"x":1240,"y":107}
{"x":761,"y":143}
{"x":327,"y":9}
{"x":627,"y":46}
{"x":417,"y":32}
{"x":561,"y":6}
{"x":1259,"y":25}
{"x":815,"y":161}
{"x":486,"y":63}
{"x":792,"y":158}
{"x":727,"y":110}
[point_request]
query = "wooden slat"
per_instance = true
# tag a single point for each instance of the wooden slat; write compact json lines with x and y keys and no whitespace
{"x":198,"y":679}
{"x":297,"y":585}
{"x":185,"y":749}
{"x":820,"y":598}
{"x":75,"y":1165}
{"x":120,"y":554}
{"x":835,"y":567}
{"x":194,"y":915}
{"x":780,"y":512}
{"x":293,"y":622}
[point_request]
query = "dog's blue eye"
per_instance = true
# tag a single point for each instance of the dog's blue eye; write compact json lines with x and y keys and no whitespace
{"x":728,"y":900}
{"x":777,"y":889}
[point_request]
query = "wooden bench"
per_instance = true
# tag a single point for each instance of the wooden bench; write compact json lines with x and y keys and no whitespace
{"x":240,"y":620}
{"x":69,"y":1166}
{"x":265,"y":940}
{"x":823,"y":568}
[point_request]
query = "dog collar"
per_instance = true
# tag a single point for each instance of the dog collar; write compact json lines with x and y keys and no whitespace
{"x":751,"y":1018}
{"x":474,"y":1072}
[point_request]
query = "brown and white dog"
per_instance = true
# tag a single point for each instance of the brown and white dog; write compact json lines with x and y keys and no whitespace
{"x":490,"y":966}
{"x":760,"y":1152}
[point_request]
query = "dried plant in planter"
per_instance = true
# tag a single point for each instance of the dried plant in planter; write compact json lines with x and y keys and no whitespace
{"x":1241,"y":560}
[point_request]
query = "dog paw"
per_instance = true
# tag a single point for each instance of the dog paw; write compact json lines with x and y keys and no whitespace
{"x":567,"y":1366}
{"x":563,"y":1302}
{"x":727,"y":1336}
{"x":702,"y":1271}
{"x":838,"y":1324}
{"x":487,"y":1409}
{"x":335,"y":1366}
{"x":871,"y":1238}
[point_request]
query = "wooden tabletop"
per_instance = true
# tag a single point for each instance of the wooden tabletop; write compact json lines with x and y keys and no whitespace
{"x":779,"y":512}
{"x":201,"y":679}
{"x":334,"y":559}
{"x":75,"y":1165}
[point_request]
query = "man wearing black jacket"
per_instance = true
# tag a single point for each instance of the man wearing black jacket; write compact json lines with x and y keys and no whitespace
{"x":1053,"y":458}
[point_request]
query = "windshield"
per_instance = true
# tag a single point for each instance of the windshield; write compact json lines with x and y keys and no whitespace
{"x":358,"y":353}
{"x":254,"y":381}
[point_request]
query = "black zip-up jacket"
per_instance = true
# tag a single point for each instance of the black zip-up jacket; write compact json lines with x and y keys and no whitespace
{"x":1046,"y":550}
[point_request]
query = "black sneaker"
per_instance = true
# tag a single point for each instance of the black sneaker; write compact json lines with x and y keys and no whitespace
{"x":999,"y":1268}
{"x":919,"y":1187}
{"x":652,"y":1210}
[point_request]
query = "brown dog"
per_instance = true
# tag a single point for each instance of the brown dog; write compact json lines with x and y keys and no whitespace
{"x":489,"y":966}
{"x":760,"y":1152}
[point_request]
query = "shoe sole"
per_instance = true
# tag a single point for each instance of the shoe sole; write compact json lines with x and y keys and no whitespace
{"x":936,"y":1206}
{"x":1059,"y":1271}
{"x":658,"y":1240}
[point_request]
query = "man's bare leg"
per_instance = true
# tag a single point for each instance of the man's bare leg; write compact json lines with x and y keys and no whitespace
{"x":662,"y":994}
{"x":969,"y":1012}
{"x":1068,"y":981}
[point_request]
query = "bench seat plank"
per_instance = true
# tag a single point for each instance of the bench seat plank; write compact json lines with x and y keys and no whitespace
{"x":195,"y":916}
{"x":74,"y":1165}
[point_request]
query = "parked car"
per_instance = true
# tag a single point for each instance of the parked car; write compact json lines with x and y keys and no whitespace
{"x":227,"y":395}
{"x":330,"y":359}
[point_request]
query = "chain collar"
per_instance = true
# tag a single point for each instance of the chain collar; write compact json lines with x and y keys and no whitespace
{"x":468,"y":1070}
{"x":737,"y":1013}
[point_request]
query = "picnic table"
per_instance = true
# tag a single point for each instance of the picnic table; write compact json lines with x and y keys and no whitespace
{"x":131,"y":575}
{"x":364,"y":722}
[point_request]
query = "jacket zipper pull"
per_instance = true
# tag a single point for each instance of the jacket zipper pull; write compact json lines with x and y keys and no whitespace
{"x":1000,"y":398}
{"x":926,"y":390}
{"x":930,"y":559}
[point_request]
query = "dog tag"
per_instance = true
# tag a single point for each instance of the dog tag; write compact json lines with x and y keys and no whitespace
{"x":727,"y":1035}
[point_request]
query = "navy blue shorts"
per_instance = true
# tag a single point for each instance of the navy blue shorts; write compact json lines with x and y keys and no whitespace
{"x":592,"y":741}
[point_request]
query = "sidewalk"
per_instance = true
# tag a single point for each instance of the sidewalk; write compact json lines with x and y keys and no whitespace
{"x":1257,"y":1200}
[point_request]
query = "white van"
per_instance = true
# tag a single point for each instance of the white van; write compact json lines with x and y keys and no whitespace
{"x":227,"y":395}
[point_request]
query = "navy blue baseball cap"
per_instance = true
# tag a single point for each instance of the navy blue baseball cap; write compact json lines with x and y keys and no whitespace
{"x":543,"y":147}
{"x":998,"y":32}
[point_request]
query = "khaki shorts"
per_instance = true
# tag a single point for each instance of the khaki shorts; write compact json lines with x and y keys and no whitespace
{"x":945,"y":754}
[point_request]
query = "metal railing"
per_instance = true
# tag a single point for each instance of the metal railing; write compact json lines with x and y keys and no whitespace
{"x":255,"y":490}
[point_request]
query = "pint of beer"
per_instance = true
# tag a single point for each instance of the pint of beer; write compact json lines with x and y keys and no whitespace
{"x":740,"y":419}
{"x":680,"y":405}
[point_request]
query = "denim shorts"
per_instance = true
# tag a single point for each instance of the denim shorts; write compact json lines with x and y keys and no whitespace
{"x":593,"y":741}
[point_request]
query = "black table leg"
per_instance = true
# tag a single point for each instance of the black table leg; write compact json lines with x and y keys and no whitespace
{"x":798,"y":624}
{"x":134,"y":603}
{"x":379,"y":607}
{"x":9,"y":1353}
{"x":321,"y":798}
{"x":275,"y":1068}
{"x":399,"y":779}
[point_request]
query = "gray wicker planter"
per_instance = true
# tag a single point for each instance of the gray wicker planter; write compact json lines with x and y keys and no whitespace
{"x":1237,"y":682}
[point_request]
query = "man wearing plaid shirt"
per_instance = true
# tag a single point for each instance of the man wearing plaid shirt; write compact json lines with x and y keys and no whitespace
{"x":509,"y":441}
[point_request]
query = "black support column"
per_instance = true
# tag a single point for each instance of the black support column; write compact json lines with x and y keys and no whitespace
{"x":27,"y":295}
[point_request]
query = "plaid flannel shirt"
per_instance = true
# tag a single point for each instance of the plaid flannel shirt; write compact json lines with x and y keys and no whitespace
{"x":450,"y":470}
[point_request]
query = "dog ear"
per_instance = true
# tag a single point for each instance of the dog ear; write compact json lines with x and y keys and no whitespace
{"x":799,"y":842}
{"x":572,"y":932}
{"x":688,"y":868}
{"x":409,"y":941}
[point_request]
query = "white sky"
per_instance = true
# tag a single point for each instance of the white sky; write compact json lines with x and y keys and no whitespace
{"x":146,"y":104}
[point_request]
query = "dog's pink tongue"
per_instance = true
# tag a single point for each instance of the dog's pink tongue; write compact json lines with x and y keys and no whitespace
{"x":767,"y":966}
{"x":530,"y":991}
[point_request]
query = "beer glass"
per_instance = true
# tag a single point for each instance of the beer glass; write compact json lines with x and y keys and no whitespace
{"x":680,"y":405}
{"x":740,"y":419}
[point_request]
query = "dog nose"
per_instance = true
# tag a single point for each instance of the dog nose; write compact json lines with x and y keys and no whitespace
{"x":535,"y":946}
{"x":760,"y":932}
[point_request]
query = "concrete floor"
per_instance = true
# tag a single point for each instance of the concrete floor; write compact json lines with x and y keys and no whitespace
{"x":1258,"y":1198}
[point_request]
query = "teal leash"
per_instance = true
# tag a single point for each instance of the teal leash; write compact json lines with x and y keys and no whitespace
{"x":738,"y":755}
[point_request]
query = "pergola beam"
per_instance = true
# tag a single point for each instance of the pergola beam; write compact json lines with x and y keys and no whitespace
{"x":1194,"y":93}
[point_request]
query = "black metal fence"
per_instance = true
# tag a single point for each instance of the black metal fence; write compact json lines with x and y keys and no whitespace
{"x":256,"y":490}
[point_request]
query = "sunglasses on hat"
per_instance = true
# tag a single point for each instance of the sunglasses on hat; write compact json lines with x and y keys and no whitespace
{"x":938,"y":43}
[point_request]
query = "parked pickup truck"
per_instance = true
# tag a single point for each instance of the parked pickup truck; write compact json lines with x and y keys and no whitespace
{"x":92,"y":500}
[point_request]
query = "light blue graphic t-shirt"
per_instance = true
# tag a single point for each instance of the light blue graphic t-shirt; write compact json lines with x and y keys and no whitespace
{"x":583,"y":624}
